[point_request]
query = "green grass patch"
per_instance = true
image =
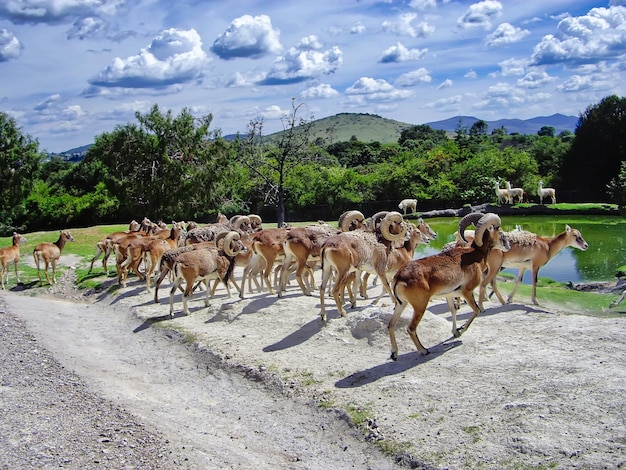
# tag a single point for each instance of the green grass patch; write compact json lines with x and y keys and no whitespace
{"x":359,"y":414}
{"x":473,"y":432}
{"x":560,"y":296}
{"x":394,"y":448}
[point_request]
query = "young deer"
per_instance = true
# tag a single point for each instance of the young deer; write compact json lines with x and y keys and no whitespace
{"x":50,"y":253}
{"x":11,"y":254}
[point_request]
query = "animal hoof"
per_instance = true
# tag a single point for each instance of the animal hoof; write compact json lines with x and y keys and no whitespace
{"x":457,"y":333}
{"x":425,"y":352}
{"x":394,"y":356}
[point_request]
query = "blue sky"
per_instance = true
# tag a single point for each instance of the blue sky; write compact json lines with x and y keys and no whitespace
{"x":73,"y":69}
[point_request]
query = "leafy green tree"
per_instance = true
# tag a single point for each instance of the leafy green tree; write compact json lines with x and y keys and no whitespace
{"x":498,"y":134}
{"x":354,"y":152}
{"x":549,"y":153}
{"x":598,"y":149}
{"x":422,"y":136}
{"x":19,"y":163}
{"x":617,"y":187}
{"x":546,"y":131}
{"x":168,"y":166}
{"x":479,"y":128}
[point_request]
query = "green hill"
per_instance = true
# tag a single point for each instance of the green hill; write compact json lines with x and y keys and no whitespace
{"x":365,"y":127}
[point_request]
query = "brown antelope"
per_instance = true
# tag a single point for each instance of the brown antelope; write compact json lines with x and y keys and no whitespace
{"x":303,"y":246}
{"x":529,"y":251}
{"x":458,"y":270}
{"x":355,"y":252}
{"x":203,"y":265}
{"x":50,"y":253}
{"x":106,"y":245}
{"x":11,"y":254}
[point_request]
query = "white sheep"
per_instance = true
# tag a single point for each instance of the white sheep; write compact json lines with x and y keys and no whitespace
{"x":407,"y":204}
{"x":546,"y":192}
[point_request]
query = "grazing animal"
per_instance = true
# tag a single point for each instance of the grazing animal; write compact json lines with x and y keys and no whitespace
{"x":204,"y":265}
{"x":458,"y":270}
{"x":8,"y":255}
{"x":529,"y":251}
{"x":50,"y":253}
{"x":408,"y":205}
{"x":358,"y":251}
{"x":269,"y":244}
{"x":546,"y":193}
{"x":105,"y":246}
{"x":303,"y":246}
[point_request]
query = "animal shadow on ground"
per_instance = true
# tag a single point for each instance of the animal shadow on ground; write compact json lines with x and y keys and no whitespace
{"x":305,"y":333}
{"x":405,"y":362}
{"x":148,"y":322}
{"x":24,"y":286}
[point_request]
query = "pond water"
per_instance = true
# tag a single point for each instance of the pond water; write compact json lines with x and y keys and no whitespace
{"x":605,"y":236}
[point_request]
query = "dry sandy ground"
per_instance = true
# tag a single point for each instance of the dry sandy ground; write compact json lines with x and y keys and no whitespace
{"x":524,"y":387}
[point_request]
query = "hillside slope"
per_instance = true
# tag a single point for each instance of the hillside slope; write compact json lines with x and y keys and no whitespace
{"x":373,"y":128}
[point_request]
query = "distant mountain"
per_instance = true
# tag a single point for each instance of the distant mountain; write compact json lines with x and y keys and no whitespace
{"x":372,"y":128}
{"x":560,"y":122}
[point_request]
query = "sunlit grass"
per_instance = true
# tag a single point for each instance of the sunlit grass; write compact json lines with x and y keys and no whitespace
{"x":560,"y":296}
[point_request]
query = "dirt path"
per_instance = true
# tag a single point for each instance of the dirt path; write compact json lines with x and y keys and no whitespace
{"x":212,"y":418}
{"x":524,"y":387}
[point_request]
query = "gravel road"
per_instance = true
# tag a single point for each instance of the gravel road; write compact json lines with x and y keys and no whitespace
{"x":84,"y":385}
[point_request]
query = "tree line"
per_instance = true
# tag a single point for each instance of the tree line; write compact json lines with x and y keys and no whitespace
{"x":167,"y":166}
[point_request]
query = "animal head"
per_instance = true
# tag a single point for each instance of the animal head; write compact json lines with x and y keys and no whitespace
{"x":67,"y":235}
{"x":17,"y":238}
{"x":426,"y":229}
{"x":575,"y":238}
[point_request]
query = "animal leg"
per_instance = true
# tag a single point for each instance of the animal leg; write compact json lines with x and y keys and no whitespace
{"x":173,"y":290}
{"x":99,"y":251}
{"x":518,"y":281}
{"x":468,"y":295}
{"x":452,"y":306}
{"x":17,"y":277}
{"x":326,"y":274}
{"x":618,"y":301}
{"x":391,"y":328}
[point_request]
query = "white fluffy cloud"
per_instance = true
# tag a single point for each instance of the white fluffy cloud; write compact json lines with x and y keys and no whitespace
{"x":56,"y":11}
{"x":598,"y":35}
{"x":321,"y":91}
{"x":505,"y":34}
{"x":248,"y":36}
{"x":10,"y":46}
{"x":405,"y":25}
{"x":87,"y":27}
{"x":400,"y":53}
{"x":480,"y":15}
{"x":371,"y":89}
{"x":174,"y":56}
{"x":535,"y":79}
{"x":414,"y":77}
{"x":301,"y":63}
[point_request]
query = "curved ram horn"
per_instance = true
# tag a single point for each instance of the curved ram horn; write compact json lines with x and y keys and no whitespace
{"x":393,"y":218}
{"x":348,"y":218}
{"x":485,"y":221}
{"x":469,"y":219}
